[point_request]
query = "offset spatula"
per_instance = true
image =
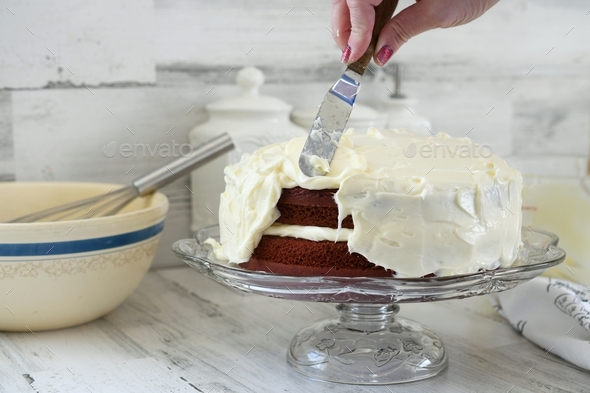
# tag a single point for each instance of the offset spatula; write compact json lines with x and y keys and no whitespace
{"x":330,"y":122}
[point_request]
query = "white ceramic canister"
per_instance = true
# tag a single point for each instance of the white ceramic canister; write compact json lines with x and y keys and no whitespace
{"x":252,"y":120}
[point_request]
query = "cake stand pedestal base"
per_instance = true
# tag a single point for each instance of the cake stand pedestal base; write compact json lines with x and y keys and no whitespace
{"x":367,"y":345}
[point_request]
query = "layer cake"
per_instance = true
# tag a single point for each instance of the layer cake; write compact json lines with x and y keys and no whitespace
{"x":392,"y":203}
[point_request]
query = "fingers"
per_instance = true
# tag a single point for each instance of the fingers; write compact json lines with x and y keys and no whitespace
{"x":423,"y":16}
{"x":362,"y":19}
{"x":340,"y":23}
{"x":353,"y":21}
{"x":469,"y":11}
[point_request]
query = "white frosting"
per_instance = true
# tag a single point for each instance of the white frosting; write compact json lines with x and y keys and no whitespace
{"x":419,"y":204}
{"x":309,"y":232}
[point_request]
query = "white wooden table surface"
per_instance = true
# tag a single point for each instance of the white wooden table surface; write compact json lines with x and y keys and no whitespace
{"x":181,"y":332}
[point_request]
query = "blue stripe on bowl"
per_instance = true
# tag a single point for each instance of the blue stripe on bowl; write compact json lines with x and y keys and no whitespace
{"x":77,"y":246}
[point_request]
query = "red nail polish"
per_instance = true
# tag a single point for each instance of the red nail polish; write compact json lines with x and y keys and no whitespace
{"x":346,"y":54}
{"x":384,"y":54}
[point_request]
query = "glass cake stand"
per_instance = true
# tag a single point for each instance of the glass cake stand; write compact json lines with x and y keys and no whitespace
{"x":368,"y":344}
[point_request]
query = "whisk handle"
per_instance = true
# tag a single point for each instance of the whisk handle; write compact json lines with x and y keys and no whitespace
{"x":180,"y":167}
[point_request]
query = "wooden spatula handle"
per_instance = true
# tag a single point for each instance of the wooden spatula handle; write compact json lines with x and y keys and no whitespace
{"x":383,"y":13}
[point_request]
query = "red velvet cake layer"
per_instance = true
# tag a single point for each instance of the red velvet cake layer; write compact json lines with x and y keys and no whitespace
{"x":301,"y":257}
{"x":299,"y":206}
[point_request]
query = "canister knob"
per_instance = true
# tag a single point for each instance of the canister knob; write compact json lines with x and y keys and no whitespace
{"x":250,"y":79}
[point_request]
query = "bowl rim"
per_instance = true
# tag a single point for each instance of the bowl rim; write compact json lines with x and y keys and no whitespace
{"x":160,"y":201}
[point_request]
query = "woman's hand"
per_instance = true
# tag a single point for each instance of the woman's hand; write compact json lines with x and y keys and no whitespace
{"x":353,"y":20}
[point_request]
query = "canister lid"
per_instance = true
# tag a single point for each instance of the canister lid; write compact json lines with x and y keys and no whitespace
{"x":250,"y":79}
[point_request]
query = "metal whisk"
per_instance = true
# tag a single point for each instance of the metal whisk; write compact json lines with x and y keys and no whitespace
{"x":115,"y":200}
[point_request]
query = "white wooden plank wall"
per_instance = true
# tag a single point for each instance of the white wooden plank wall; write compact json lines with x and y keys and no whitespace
{"x":76,"y":42}
{"x":6,"y":141}
{"x":79,"y":76}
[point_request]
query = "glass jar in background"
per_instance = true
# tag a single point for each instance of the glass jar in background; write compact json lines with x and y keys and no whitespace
{"x":401,"y":110}
{"x":556,"y":197}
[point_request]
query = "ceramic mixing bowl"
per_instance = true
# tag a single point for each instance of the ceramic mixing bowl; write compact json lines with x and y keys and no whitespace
{"x":60,"y":274}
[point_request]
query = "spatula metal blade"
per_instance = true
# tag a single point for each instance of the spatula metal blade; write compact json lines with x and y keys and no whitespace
{"x":329,"y":125}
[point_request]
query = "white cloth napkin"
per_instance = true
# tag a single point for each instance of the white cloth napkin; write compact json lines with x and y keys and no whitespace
{"x":552,"y":313}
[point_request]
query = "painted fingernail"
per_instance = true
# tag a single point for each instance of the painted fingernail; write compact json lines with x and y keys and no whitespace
{"x":384,"y":54}
{"x":346,"y":54}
